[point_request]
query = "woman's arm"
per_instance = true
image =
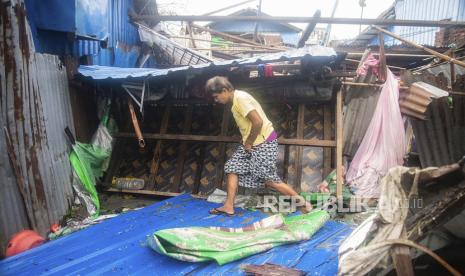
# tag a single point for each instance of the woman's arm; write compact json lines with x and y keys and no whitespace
{"x":257,"y":124}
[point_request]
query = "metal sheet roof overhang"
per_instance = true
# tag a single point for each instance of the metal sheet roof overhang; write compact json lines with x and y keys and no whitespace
{"x":96,"y":72}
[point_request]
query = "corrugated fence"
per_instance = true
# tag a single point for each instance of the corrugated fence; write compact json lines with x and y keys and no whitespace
{"x":36,"y":175}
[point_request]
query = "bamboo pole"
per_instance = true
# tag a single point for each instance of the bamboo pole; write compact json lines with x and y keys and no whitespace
{"x":437,"y":54}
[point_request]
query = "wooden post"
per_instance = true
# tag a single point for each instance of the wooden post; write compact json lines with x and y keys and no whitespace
{"x":401,"y":257}
{"x":382,"y":59}
{"x":191,"y":35}
{"x":339,"y":145}
{"x":437,"y":54}
{"x":157,"y":151}
{"x":182,"y":150}
{"x":327,"y":136}
{"x":299,"y":150}
{"x":452,"y":71}
{"x":222,"y":148}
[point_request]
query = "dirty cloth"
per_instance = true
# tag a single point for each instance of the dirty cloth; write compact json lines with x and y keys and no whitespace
{"x":362,"y":251}
{"x":370,"y":62}
{"x":224,"y":245}
{"x":383,"y":145}
{"x":255,"y":168}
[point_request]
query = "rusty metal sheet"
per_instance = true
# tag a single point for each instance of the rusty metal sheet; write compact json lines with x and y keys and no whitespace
{"x":35,"y":108}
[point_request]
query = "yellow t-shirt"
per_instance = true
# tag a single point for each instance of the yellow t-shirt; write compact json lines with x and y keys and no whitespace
{"x":243,"y":103}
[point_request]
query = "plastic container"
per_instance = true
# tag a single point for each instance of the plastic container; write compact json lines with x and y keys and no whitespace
{"x":22,"y":241}
{"x":128,"y":183}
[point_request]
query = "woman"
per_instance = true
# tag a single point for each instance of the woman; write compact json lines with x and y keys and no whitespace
{"x":253,"y":165}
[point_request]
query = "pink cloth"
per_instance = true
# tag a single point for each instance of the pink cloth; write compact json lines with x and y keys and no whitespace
{"x":272,"y":136}
{"x":383,"y":145}
{"x":370,"y":61}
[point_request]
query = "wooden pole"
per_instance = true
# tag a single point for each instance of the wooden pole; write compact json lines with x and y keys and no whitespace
{"x":191,"y":35}
{"x":339,"y":145}
{"x":437,"y":54}
{"x":233,"y":37}
{"x":382,"y":59}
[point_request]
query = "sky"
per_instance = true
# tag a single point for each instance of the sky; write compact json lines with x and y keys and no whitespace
{"x":346,"y":9}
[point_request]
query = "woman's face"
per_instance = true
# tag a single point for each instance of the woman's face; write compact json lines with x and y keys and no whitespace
{"x":223,"y":97}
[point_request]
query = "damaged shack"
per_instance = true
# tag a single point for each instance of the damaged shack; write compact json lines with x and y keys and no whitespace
{"x":113,"y":154}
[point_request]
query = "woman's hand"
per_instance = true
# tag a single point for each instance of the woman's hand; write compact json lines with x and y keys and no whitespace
{"x":248,"y":146}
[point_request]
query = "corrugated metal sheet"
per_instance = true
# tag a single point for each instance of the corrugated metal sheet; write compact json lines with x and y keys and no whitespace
{"x":415,"y":101}
{"x":105,"y":19}
{"x":440,"y":138}
{"x":425,"y":10}
{"x":119,"y":27}
{"x":35,"y":109}
{"x":119,"y":246}
{"x":324,"y":55}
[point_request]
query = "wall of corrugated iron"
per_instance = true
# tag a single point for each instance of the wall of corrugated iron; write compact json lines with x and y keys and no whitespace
{"x":35,"y":108}
{"x":119,"y":27}
{"x":425,"y":10}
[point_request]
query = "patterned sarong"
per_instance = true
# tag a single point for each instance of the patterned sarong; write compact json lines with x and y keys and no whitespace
{"x":256,"y":168}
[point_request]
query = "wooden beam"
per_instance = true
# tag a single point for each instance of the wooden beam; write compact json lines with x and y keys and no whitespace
{"x":149,"y":192}
{"x":297,"y":19}
{"x":211,"y":138}
{"x":339,"y":145}
{"x":182,"y":150}
{"x":437,"y":54}
{"x":299,"y":149}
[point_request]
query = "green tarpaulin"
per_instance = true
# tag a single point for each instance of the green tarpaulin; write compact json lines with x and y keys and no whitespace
{"x":224,"y":245}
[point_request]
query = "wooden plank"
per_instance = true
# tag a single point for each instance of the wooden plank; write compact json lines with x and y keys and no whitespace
{"x":182,"y":150}
{"x":148,"y":192}
{"x":299,"y":150}
{"x":401,"y":257}
{"x":339,"y":145}
{"x":191,"y":35}
{"x":222,"y":149}
{"x":233,"y":139}
{"x":327,"y":136}
{"x":155,"y":164}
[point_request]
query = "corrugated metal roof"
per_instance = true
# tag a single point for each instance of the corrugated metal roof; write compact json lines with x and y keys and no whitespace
{"x":415,"y":101}
{"x":35,"y":110}
{"x":324,"y":54}
{"x":119,"y":245}
{"x":424,"y":10}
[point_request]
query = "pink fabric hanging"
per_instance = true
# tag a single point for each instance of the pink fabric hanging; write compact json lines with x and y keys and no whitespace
{"x":383,"y":145}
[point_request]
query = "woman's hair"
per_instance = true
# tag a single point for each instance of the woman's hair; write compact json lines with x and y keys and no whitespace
{"x":217,"y":84}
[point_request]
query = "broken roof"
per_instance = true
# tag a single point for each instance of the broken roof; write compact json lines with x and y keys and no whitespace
{"x":119,"y":245}
{"x":96,"y":72}
{"x":249,"y":26}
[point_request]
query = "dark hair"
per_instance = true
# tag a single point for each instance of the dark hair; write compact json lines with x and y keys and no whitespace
{"x":217,"y":84}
